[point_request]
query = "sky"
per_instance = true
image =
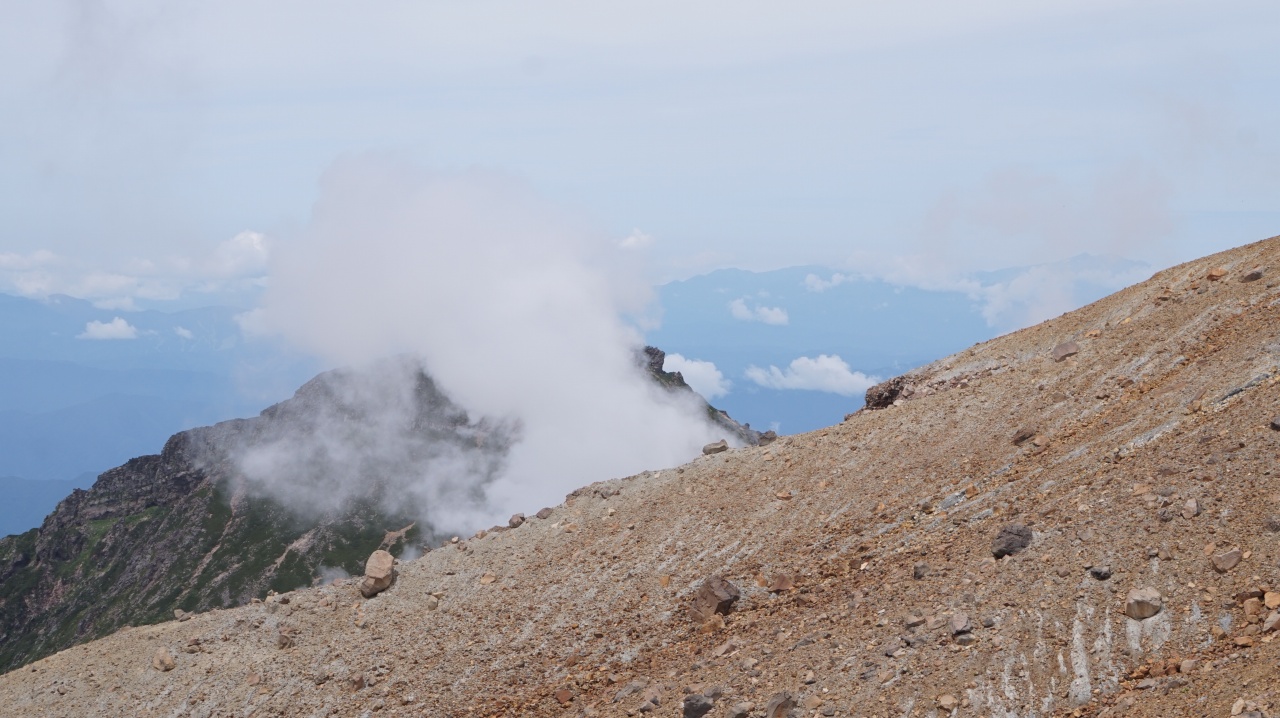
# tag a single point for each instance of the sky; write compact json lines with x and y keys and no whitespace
{"x":496,"y":187}
{"x":157,"y":152}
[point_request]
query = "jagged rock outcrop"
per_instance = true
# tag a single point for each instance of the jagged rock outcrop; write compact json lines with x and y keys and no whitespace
{"x":654,"y":359}
{"x":185,"y":529}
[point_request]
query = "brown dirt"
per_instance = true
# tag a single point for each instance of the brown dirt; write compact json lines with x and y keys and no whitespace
{"x":1169,"y":398}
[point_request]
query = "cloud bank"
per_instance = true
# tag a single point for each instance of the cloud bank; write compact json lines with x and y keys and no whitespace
{"x":827,"y":372}
{"x":512,"y":306}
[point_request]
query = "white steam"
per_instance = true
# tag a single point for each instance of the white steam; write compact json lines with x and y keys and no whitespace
{"x":512,"y":312}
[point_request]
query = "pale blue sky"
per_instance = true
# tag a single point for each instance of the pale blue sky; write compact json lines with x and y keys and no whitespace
{"x":910,"y":140}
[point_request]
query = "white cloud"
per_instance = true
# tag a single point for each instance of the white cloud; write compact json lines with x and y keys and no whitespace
{"x":245,"y":254}
{"x":702,"y":376}
{"x":183,"y":332}
{"x":828,"y":372}
{"x":814,"y":283}
{"x":254,"y":323}
{"x":768,"y":315}
{"x":636,"y":240}
{"x":115,"y":329}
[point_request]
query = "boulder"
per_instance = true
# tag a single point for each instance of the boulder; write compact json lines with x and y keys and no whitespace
{"x":1143,"y":603}
{"x":163,"y":660}
{"x":1064,"y":350}
{"x":379,"y":572}
{"x":696,"y":706}
{"x":882,"y":395}
{"x":516,"y":521}
{"x":1010,"y":540}
{"x":716,"y":448}
{"x":715,"y":595}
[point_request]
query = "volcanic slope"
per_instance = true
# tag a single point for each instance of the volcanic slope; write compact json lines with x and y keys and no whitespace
{"x":881,"y":523}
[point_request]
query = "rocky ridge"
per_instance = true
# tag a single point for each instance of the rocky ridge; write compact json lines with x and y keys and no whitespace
{"x":186,"y":530}
{"x":1080,"y":518}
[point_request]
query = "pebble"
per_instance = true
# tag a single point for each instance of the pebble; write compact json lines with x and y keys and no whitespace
{"x":1226,"y":561}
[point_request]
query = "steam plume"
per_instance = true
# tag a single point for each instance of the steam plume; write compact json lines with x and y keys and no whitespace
{"x":513,"y":310}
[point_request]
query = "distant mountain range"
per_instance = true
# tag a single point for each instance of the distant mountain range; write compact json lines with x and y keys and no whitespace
{"x":754,"y":326}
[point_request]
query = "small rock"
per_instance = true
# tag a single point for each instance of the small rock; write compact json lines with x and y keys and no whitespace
{"x":1191,"y":509}
{"x":913,"y":620}
{"x":947,"y":702}
{"x":1271,"y":599}
{"x":543,"y":513}
{"x":1215,"y":274}
{"x":1252,"y":276}
{"x":163,"y":660}
{"x":1226,"y":561}
{"x":1101,"y":573}
{"x":1190,"y":665}
{"x":811,"y":702}
{"x":379,"y":572}
{"x":959,"y":623}
{"x":715,"y":595}
{"x":630,"y":689}
{"x":564,"y":696}
{"x":779,"y":705}
{"x":716,"y":448}
{"x":1064,"y":350}
{"x":1022,"y":436}
{"x":1275,"y":424}
{"x":1011,"y":539}
{"x":740,"y":710}
{"x":432,"y":603}
{"x":515,"y":521}
{"x":1143,"y":603}
{"x":965,"y":639}
{"x":781,"y":582}
{"x":767,"y":438}
{"x":920,"y":570}
{"x":1272,"y":623}
{"x":1252,"y":607}
{"x":696,"y":706}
